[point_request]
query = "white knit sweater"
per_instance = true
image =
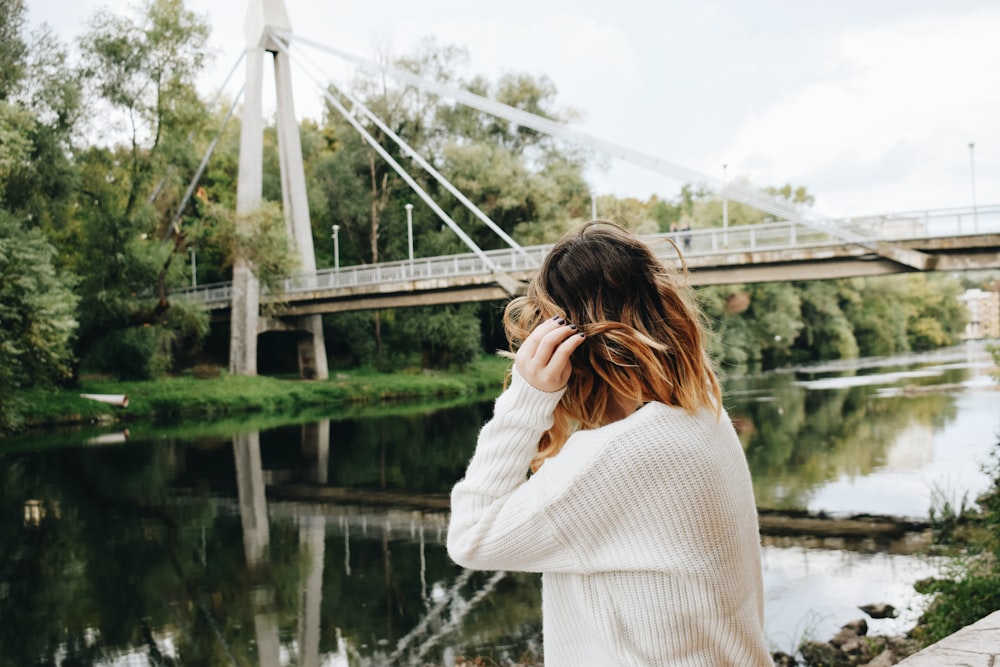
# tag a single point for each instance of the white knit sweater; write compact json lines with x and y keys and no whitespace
{"x":645,"y":531}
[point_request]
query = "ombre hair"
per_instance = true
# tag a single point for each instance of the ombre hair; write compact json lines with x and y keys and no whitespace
{"x":645,"y":339}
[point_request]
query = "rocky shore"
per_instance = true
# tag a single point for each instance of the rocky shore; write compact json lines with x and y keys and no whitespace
{"x":852,"y":646}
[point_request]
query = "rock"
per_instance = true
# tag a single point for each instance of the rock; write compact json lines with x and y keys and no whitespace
{"x":818,"y":654}
{"x":782,"y":659}
{"x":852,"y":630}
{"x":883,"y":659}
{"x":880,"y":610}
{"x":855,"y":646}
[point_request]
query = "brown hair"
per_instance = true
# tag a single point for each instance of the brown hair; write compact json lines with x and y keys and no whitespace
{"x":645,"y":340}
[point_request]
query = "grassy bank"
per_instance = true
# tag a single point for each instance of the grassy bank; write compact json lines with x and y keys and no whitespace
{"x":229,"y":395}
{"x":969,"y":587}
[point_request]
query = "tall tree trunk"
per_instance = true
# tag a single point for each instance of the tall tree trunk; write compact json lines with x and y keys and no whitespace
{"x":380,"y":193}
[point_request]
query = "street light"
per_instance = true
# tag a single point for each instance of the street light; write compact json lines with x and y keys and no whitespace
{"x":725,"y":211}
{"x":409,"y":233}
{"x":194,"y":269}
{"x":336,"y":246}
{"x":972,"y":170}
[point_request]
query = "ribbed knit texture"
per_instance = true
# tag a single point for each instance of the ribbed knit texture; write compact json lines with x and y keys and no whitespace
{"x":645,"y":531}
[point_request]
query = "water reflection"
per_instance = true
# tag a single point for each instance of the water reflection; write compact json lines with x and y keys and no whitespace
{"x":323,"y":542}
{"x":863,"y":439}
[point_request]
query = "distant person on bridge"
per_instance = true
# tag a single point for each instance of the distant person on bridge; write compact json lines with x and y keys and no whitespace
{"x":686,"y":235}
{"x":639,"y":511}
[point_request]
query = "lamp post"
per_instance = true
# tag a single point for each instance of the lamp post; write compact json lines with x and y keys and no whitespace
{"x":409,"y":233}
{"x":336,"y":246}
{"x":972,"y":174}
{"x":725,"y":211}
{"x":194,"y":269}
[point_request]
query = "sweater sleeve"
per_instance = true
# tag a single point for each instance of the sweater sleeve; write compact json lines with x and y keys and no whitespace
{"x":498,"y":520}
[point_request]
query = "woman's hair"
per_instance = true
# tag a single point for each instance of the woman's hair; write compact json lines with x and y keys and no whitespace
{"x":644,"y":336}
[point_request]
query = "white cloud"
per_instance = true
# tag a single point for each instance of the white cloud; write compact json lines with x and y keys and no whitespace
{"x":870,"y":107}
{"x":890,"y":127}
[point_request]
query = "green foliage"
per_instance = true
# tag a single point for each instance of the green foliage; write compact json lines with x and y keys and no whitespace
{"x":259,"y":238}
{"x":437,"y":338}
{"x":776,"y":324}
{"x":37,"y":314}
{"x":350,"y":341}
{"x":12,"y":56}
{"x":141,"y":73}
{"x":150,"y":350}
{"x":126,"y":353}
{"x":827,"y":332}
{"x":948,"y":514}
{"x":15,"y":145}
{"x":797,"y":195}
{"x":265,"y":396}
{"x":957,"y":603}
{"x":938,"y":316}
{"x":446,"y":336}
{"x":969,"y":587}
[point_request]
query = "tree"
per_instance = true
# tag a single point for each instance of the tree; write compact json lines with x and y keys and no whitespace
{"x":879,"y":314}
{"x":938,"y":317}
{"x":39,"y":110}
{"x":37,"y":315}
{"x":142,"y":70}
{"x":447,"y":336}
{"x":797,"y":195}
{"x":14,"y":49}
{"x":826,"y":332}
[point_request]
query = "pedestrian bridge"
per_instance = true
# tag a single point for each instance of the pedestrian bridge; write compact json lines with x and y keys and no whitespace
{"x":939,"y":240}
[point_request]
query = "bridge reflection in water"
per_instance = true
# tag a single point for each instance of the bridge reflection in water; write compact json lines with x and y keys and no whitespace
{"x":368,"y":525}
{"x":378,"y":523}
{"x":323,"y":542}
{"x":445,"y":605}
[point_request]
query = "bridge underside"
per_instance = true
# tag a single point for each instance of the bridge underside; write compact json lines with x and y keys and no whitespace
{"x":403,"y":294}
{"x":848,"y":261}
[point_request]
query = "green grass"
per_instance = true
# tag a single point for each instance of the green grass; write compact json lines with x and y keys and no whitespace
{"x":969,"y":586}
{"x":231,"y":395}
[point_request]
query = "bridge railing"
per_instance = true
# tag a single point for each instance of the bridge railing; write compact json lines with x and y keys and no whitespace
{"x":693,"y":243}
{"x":925,"y":224}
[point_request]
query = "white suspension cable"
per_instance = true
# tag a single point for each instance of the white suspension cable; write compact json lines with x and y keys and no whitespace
{"x":174,"y":228}
{"x":744,"y":195}
{"x":402,"y":173}
{"x":163,"y":181}
{"x":416,"y":157}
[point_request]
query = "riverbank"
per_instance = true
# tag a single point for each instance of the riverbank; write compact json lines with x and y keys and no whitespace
{"x":217,"y":394}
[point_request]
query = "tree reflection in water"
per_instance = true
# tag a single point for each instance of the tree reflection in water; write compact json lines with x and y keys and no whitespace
{"x":797,"y":439}
{"x":255,"y":548}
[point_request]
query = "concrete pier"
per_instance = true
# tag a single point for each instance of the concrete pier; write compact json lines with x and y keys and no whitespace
{"x":976,"y":645}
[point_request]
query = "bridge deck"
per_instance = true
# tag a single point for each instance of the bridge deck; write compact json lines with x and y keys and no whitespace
{"x":930,"y":241}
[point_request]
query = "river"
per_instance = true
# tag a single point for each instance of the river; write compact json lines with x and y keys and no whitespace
{"x":274,"y":541}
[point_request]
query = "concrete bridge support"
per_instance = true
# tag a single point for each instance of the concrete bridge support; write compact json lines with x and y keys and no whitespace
{"x":256,"y":540}
{"x":263,"y":17}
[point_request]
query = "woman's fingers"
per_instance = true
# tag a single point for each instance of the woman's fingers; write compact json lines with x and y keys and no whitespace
{"x":544,"y":357}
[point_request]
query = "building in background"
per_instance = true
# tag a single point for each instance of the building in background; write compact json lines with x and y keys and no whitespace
{"x":984,"y":314}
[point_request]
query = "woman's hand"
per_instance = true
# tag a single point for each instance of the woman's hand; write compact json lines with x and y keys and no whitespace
{"x":543,"y":359}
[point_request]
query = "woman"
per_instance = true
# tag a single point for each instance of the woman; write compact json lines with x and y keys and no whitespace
{"x":639,"y":511}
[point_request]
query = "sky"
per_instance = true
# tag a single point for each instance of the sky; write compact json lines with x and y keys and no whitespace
{"x":871,"y":105}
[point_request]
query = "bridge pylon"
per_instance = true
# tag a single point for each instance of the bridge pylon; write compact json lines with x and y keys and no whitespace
{"x":264,"y":18}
